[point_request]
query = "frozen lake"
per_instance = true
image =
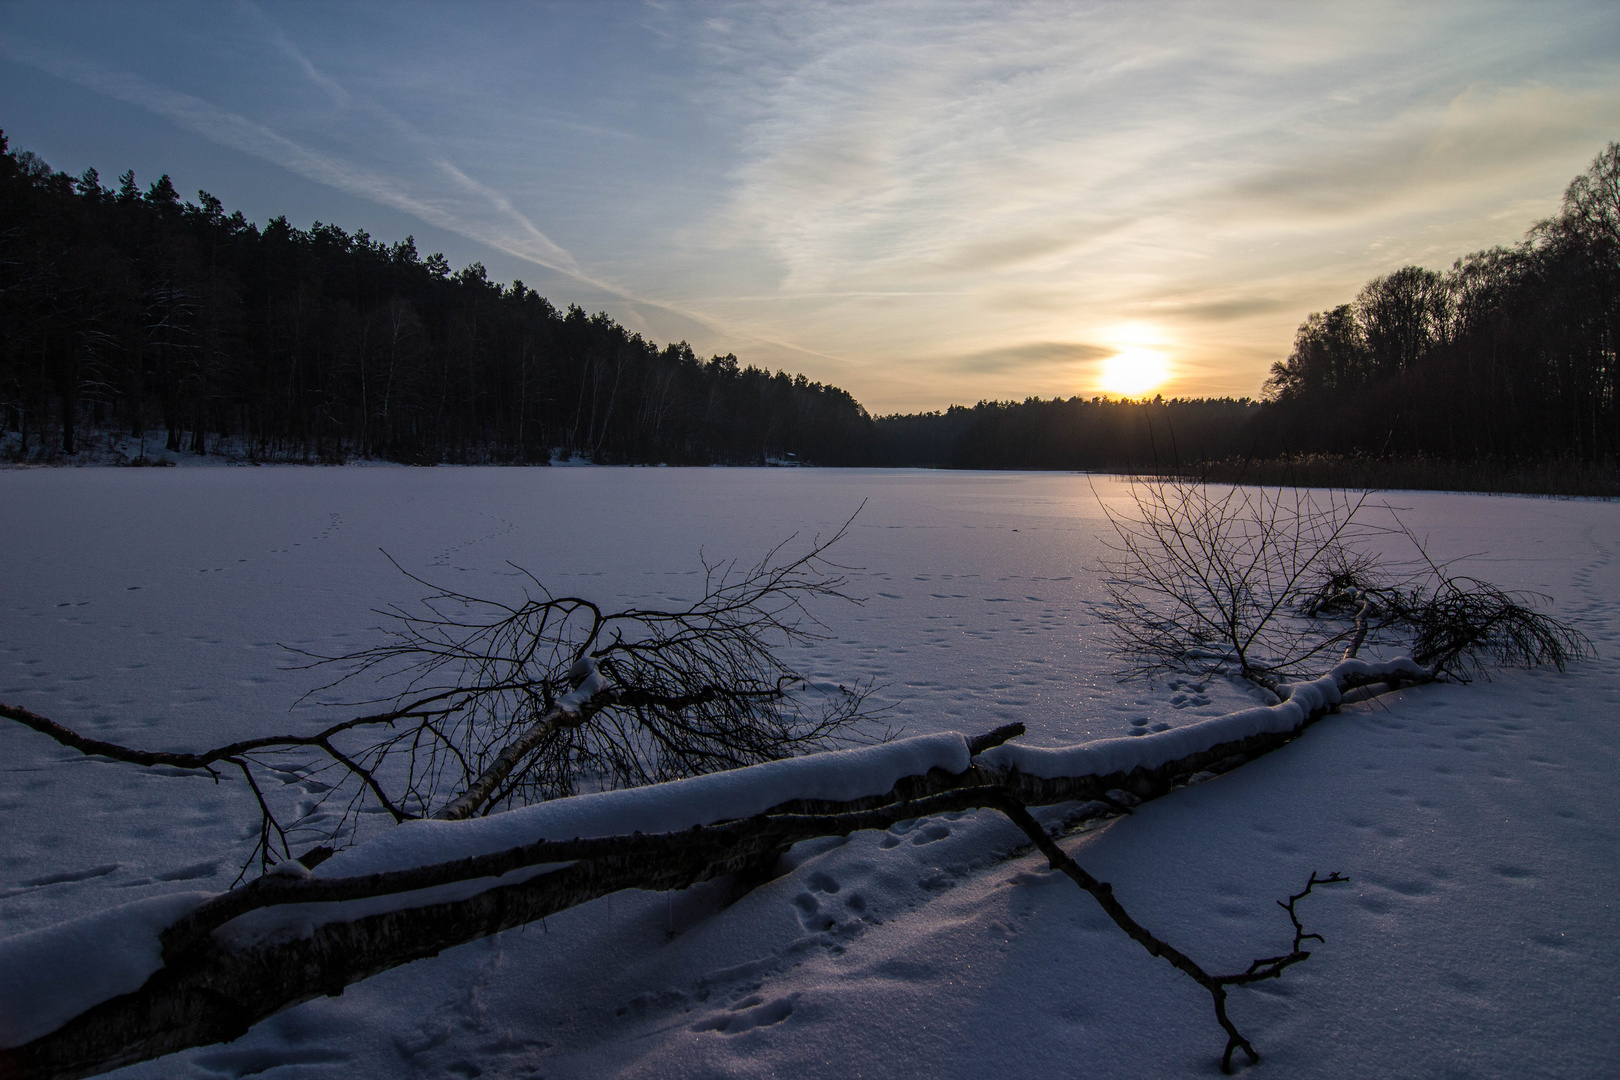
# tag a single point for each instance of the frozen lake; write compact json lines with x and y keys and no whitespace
{"x":149,"y":604}
{"x":150,"y":607}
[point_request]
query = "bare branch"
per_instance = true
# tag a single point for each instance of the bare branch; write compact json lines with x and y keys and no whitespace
{"x":1264,"y":584}
{"x":492,"y":703}
{"x":1103,"y":893}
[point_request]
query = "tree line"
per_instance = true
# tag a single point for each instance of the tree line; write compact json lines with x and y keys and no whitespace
{"x":1073,"y":433}
{"x":1509,"y":355}
{"x":1508,"y":358}
{"x":176,"y":323}
{"x":135,"y":312}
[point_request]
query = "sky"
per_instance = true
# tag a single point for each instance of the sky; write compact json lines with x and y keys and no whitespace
{"x":924,"y":203}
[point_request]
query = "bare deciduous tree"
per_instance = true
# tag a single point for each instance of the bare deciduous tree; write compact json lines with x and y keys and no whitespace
{"x":1267,"y":583}
{"x":482,"y":704}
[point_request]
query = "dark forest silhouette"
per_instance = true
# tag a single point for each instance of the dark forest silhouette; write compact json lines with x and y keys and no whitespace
{"x":1099,"y":433}
{"x":1505,"y":364}
{"x":133,"y":310}
{"x":136,"y":313}
{"x":1509,"y":355}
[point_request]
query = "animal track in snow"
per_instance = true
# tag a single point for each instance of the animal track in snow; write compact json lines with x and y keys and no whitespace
{"x":71,"y":875}
{"x":813,"y":916}
{"x":1189,"y":694}
{"x":822,"y":883}
{"x":747,"y":1014}
{"x":501,"y":526}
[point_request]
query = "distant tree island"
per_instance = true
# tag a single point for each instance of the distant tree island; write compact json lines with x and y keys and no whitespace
{"x":136,"y":318}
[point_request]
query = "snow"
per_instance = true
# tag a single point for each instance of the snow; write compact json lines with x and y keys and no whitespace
{"x":57,"y":972}
{"x":661,"y":808}
{"x":113,"y":940}
{"x":590,"y":683}
{"x":1104,"y":757}
{"x":1477,"y":824}
{"x":49,"y":976}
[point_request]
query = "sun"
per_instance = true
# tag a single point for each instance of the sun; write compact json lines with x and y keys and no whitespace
{"x":1134,"y":370}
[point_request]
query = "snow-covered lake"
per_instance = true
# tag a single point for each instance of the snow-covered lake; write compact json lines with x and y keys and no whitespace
{"x":1479,"y":824}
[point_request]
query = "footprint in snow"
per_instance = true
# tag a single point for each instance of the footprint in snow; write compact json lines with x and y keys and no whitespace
{"x":235,"y":1063}
{"x":811,"y":917}
{"x":823,"y":883}
{"x":1025,"y":877}
{"x":747,"y":1014}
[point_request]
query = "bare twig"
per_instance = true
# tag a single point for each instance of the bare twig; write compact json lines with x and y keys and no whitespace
{"x":1103,"y":893}
{"x":1262,"y":584}
{"x":1202,"y":579}
{"x":492,"y":703}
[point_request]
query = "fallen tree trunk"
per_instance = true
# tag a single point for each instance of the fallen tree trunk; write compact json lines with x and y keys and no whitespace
{"x":221,"y":972}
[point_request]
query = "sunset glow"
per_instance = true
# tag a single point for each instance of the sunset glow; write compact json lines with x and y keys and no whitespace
{"x":753,"y":466}
{"x":1134,"y":371}
{"x":920,"y":206}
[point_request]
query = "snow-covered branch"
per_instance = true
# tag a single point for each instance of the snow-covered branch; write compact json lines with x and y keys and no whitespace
{"x":183,"y":970}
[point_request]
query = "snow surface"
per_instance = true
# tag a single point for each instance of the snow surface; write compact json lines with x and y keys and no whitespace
{"x":1103,"y":757}
{"x":660,"y":808}
{"x":50,"y":975}
{"x":1478,"y":824}
{"x":53,"y":973}
{"x":57,"y":972}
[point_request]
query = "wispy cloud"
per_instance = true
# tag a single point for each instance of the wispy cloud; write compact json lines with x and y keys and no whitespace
{"x":1065,"y":168}
{"x":931,"y":202}
{"x":250,"y":137}
{"x":1030,"y":354}
{"x":540,"y":247}
{"x":284,"y":45}
{"x":510,"y":232}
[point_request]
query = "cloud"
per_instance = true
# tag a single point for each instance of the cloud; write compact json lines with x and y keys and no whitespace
{"x":544,"y":250}
{"x":239,"y":133}
{"x":512,"y":232}
{"x":1000,"y":252}
{"x":1465,"y":147}
{"x":1216,"y":311}
{"x":951,"y":199}
{"x":283,"y":44}
{"x":1028,"y":354}
{"x":1069,"y":168}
